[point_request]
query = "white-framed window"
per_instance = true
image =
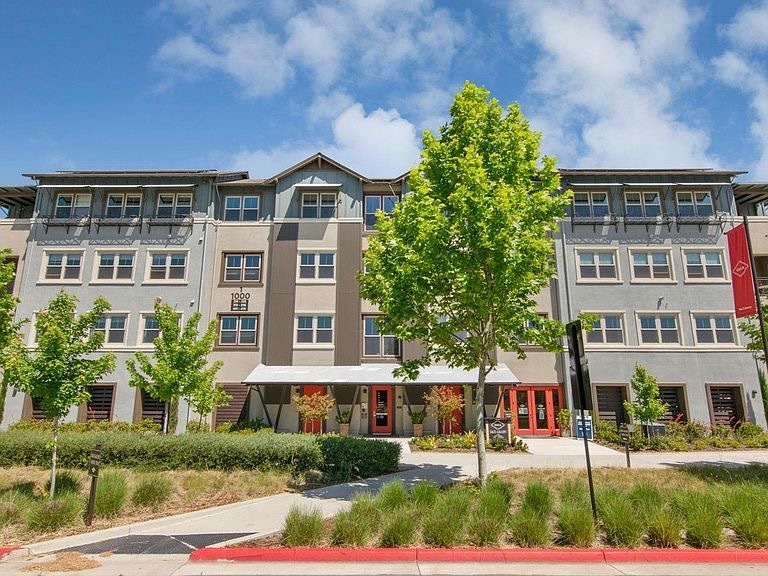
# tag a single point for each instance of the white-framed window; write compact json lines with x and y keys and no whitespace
{"x":376,"y":344}
{"x":693,"y":203}
{"x":63,"y":266}
{"x":241,"y":208}
{"x":714,"y":328}
{"x":73,"y":205}
{"x":597,"y":265}
{"x":659,"y":328}
{"x":374,"y":203}
{"x":608,"y":329}
{"x":123,"y":206}
{"x":149,"y":329}
{"x":113,"y":326}
{"x":704,"y":264}
{"x":242,"y":267}
{"x":590,"y":204}
{"x":642,"y":204}
{"x":114,"y":266}
{"x":238,"y":329}
{"x":317,"y":265}
{"x":167,"y":265}
{"x":314,"y":329}
{"x":174,"y":205}
{"x":318,"y":205}
{"x":649,"y":265}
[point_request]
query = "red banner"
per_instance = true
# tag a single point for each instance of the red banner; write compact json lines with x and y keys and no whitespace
{"x":741,"y":272}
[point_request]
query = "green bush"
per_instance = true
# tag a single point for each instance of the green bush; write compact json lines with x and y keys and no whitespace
{"x":344,"y":458}
{"x":65,"y":482}
{"x":444,"y":522}
{"x":747,"y":514}
{"x":351,"y":528}
{"x":399,"y":529}
{"x":621,"y":523}
{"x":424,"y":493}
{"x":663,"y":527}
{"x":51,"y":514}
{"x":12,"y":505}
{"x":392,"y":495}
{"x":302,"y":527}
{"x":242,"y":427}
{"x":146,"y":425}
{"x":607,"y":432}
{"x":537,"y":499}
{"x":749,"y":430}
{"x":197,"y":427}
{"x":575,"y":524}
{"x":485,"y":530}
{"x":529,"y":530}
{"x":152,"y":491}
{"x":703,"y":522}
{"x":111,"y":493}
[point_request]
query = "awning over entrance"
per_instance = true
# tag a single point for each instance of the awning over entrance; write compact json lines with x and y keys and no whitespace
{"x":372,"y":374}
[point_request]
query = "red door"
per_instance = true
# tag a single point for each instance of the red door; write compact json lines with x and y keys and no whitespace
{"x":312,"y":426}
{"x":456,"y":424}
{"x":381,"y":410}
{"x":533,"y":410}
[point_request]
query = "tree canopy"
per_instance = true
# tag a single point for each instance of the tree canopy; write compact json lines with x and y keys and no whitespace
{"x":647,"y":406}
{"x":459,"y":263}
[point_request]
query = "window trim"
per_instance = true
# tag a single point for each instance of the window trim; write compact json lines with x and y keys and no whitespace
{"x":114,"y":280}
{"x":656,"y":313}
{"x":107,"y":328}
{"x":711,"y":314}
{"x":695,"y":204}
{"x":176,"y":195}
{"x":670,"y":263}
{"x":381,"y":196}
{"x":643,"y":204}
{"x":61,"y":279}
{"x":314,"y":344}
{"x":616,"y":262}
{"x":242,"y":208}
{"x":140,"y":332}
{"x":602,"y":313}
{"x":82,"y":409}
{"x":148,"y":267}
{"x":316,"y":279}
{"x":238,"y":345}
{"x":724,"y":279}
{"x":223,"y":269}
{"x":591,"y":204}
{"x":123,"y":206}
{"x":737,"y":385}
{"x":381,"y":338}
{"x":318,"y":194}
{"x":73,"y":206}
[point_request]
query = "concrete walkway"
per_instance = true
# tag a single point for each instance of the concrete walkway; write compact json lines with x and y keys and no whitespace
{"x":179,"y":535}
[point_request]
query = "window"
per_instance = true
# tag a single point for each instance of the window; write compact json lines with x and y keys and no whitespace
{"x":314,"y":329}
{"x":123,"y":206}
{"x":726,"y":405}
{"x":704,"y":264}
{"x":375,"y":343}
{"x":168,"y":266}
{"x":590,"y":204}
{"x":99,"y":405}
{"x":642,"y":204}
{"x":235,"y":330}
{"x":115,"y":266}
{"x":318,"y":205}
{"x":651,"y":265}
{"x":609,"y":329}
{"x":63,"y":266}
{"x":241,"y":208}
{"x":659,"y":329}
{"x":113,"y":328}
{"x":694,"y":204}
{"x":242,"y":267}
{"x":73,"y":205}
{"x":595,"y":265}
{"x":150,"y":330}
{"x":714,"y":329}
{"x":174,"y":205}
{"x":317,"y":265}
{"x":375,"y":203}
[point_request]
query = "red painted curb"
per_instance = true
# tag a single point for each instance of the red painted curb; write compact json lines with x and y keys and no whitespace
{"x":4,"y":551}
{"x":506,"y":555}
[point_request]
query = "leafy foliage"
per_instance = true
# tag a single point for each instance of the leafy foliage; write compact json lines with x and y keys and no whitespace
{"x":458,"y":264}
{"x":647,"y":407}
{"x":442,"y":402}
{"x":345,"y":459}
{"x":313,"y":406}
{"x":9,"y":329}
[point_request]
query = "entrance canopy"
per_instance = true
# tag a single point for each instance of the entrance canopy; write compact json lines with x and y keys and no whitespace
{"x":372,"y":374}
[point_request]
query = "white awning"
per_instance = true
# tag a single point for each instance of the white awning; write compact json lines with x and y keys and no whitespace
{"x":372,"y":374}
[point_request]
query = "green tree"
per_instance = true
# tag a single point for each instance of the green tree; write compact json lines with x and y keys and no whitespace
{"x":8,"y":328}
{"x":180,"y":368}
{"x":458,"y":264}
{"x":62,"y":367}
{"x":751,"y":330}
{"x":647,"y":406}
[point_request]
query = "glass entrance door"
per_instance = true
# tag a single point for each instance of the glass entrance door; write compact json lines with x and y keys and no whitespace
{"x":534,"y":409}
{"x":381,"y":410}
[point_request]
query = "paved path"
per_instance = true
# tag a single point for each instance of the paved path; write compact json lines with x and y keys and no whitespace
{"x":246,"y":520}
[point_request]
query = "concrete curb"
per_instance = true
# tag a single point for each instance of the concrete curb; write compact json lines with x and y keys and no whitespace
{"x":517,"y":555}
{"x":4,"y":551}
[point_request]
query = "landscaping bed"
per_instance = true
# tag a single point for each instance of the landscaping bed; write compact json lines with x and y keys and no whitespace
{"x":465,"y":442}
{"x":688,"y":436}
{"x":688,"y":508}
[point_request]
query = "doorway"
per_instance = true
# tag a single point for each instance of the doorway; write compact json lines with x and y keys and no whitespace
{"x":381,"y":410}
{"x":534,"y":409}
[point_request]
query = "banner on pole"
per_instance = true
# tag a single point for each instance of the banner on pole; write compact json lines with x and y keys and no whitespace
{"x":741,"y":272}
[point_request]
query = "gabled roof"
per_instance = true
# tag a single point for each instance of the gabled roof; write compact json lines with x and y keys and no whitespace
{"x":317,"y":158}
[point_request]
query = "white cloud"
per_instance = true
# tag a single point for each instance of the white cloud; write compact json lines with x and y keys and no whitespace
{"x":606,"y":81}
{"x":748,"y":28}
{"x":379,"y":144}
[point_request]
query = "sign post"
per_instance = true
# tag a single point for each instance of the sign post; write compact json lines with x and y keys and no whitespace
{"x":624,"y":431}
{"x":94,"y":464}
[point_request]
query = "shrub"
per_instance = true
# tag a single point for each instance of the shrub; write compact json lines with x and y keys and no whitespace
{"x":12,"y":505}
{"x":485,"y":530}
{"x":575,"y":524}
{"x":607,"y":432}
{"x":702,"y":519}
{"x":196,"y":427}
{"x":494,"y":499}
{"x":663,"y":527}
{"x":50,"y":514}
{"x":529,"y":530}
{"x":620,"y":521}
{"x":344,"y":459}
{"x":747,"y":512}
{"x":364,"y":505}
{"x":65,"y":482}
{"x":645,"y":498}
{"x":444,"y":523}
{"x":302,"y":527}
{"x":425,"y":493}
{"x":499,"y":444}
{"x":392,"y":495}
{"x":537,"y":499}
{"x":111,"y":492}
{"x":152,"y":491}
{"x":694,"y":430}
{"x":351,"y":528}
{"x":749,"y":430}
{"x":245,"y":426}
{"x":399,"y":529}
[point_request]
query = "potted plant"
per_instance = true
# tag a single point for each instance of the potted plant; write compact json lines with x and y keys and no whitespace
{"x":312,"y":408}
{"x":342,"y":419}
{"x":442,"y":402}
{"x":564,"y":421}
{"x":417,"y":418}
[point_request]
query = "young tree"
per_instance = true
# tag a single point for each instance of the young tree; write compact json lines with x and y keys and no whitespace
{"x":180,"y":368}
{"x":647,"y":406}
{"x":460,"y":261}
{"x":751,"y":330}
{"x":62,"y":368}
{"x":8,"y":328}
{"x":442,"y":402}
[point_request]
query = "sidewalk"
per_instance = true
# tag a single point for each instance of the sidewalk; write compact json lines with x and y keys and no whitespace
{"x":163,"y":545}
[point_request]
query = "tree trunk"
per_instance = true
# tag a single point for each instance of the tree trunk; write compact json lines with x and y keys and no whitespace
{"x":165,"y":417}
{"x":482,"y":464}
{"x":54,"y":455}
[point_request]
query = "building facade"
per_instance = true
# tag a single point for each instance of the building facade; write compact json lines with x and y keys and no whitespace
{"x":274,"y":262}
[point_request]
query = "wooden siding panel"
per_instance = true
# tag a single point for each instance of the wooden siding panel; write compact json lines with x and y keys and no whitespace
{"x":348,"y":319}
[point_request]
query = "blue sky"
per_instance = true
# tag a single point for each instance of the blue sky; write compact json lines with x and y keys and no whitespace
{"x":259,"y":85}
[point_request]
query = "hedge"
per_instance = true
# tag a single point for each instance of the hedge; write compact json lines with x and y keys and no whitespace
{"x":338,"y":458}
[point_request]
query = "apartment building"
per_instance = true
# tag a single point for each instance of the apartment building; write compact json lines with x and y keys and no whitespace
{"x":274,"y":261}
